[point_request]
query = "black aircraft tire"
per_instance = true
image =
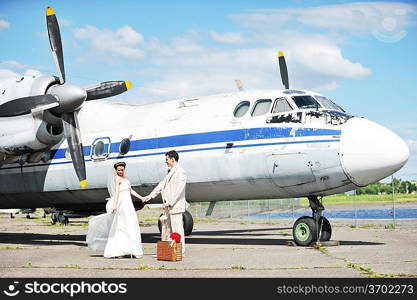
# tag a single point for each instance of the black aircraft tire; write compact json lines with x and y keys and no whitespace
{"x":188,"y":222}
{"x":54,"y":218}
{"x":326,"y":230}
{"x":304,"y":231}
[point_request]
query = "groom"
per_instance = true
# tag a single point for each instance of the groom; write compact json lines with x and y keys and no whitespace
{"x":172,"y":189}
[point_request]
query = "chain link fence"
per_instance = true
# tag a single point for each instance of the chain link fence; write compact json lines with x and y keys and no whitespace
{"x":242,"y":208}
{"x":356,"y":211}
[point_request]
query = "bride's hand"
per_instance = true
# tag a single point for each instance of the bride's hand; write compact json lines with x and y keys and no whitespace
{"x":113,"y":210}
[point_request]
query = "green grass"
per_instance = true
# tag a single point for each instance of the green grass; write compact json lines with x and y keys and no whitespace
{"x":71,"y":267}
{"x":164,"y":268}
{"x":238,"y":268}
{"x":11,"y":248}
{"x":349,"y":199}
{"x":144,"y":267}
{"x":390,"y":226}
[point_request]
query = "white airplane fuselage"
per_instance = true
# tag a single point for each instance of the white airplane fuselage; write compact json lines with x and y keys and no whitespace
{"x":270,"y":156}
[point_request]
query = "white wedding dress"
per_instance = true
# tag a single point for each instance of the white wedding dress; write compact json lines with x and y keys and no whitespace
{"x":116,"y":233}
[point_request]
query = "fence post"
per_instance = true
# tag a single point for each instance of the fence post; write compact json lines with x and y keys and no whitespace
{"x":293,"y":218}
{"x":356,"y":209}
{"x":269,"y":212}
{"x":393,"y":201}
{"x":247,"y":201}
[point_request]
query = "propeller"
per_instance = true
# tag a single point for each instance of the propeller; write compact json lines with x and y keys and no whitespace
{"x":55,"y":42}
{"x":75,"y":146}
{"x":24,"y":105}
{"x":283,"y":70}
{"x":107,"y":89}
{"x":63,"y":99}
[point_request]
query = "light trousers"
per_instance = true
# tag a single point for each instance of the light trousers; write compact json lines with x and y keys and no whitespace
{"x":173,"y":223}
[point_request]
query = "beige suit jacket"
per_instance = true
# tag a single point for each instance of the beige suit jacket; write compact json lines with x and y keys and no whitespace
{"x":172,"y":189}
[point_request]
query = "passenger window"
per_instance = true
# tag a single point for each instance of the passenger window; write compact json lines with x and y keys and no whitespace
{"x":261,"y":107}
{"x":124,"y":146}
{"x":100,"y":148}
{"x":241,"y":109}
{"x":281,"y":105}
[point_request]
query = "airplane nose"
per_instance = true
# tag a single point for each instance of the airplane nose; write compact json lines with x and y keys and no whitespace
{"x":370,"y":152}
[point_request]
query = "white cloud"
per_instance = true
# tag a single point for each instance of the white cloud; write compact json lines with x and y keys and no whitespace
{"x":322,"y":56}
{"x":358,"y":17}
{"x":4,"y":25}
{"x":412,"y":145}
{"x":184,"y":66}
{"x":124,"y":42}
{"x":16,"y":65}
{"x":64,"y":22}
{"x":262,"y":21}
{"x":186,"y":45}
{"x":209,"y":72}
{"x":314,"y":64}
{"x":227,"y":37}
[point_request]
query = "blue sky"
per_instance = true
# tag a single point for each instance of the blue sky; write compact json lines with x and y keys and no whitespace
{"x":360,"y":54}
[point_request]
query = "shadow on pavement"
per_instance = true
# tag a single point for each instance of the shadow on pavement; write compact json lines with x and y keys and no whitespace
{"x":221,"y":237}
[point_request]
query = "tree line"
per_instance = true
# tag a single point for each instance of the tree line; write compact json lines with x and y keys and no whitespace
{"x":400,"y":187}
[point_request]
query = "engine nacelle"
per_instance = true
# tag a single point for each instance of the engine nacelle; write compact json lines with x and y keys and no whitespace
{"x":27,"y":138}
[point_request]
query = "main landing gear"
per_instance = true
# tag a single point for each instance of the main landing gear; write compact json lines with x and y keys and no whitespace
{"x":187,"y":220}
{"x":58,"y":216}
{"x":307,"y":230}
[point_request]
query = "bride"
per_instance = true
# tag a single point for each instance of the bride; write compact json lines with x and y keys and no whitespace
{"x":117,"y":232}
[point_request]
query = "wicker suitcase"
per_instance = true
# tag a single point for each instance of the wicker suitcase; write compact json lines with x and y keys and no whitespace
{"x":164,"y":251}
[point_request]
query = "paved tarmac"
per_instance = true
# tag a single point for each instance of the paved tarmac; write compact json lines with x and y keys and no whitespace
{"x":219,"y":248}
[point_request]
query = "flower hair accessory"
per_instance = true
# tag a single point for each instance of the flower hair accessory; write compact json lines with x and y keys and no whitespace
{"x":176,"y":237}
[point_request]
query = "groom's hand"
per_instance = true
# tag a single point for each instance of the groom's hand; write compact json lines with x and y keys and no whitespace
{"x":147,"y":198}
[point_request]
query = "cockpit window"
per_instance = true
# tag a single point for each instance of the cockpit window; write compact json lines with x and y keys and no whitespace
{"x":329,"y":103}
{"x":305,"y":102}
{"x":261,"y":107}
{"x":281,"y":105}
{"x":241,"y":109}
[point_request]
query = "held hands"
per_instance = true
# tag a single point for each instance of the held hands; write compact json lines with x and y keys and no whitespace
{"x":146,"y":198}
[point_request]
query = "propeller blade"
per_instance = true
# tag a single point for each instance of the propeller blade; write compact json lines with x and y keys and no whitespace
{"x":283,"y":70}
{"x":24,"y":105}
{"x":55,"y":42}
{"x":107,"y":89}
{"x":72,"y":133}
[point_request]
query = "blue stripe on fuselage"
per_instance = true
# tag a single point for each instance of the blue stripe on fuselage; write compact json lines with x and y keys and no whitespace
{"x":214,"y":137}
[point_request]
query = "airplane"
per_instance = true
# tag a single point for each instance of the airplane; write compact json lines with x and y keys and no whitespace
{"x":249,"y":144}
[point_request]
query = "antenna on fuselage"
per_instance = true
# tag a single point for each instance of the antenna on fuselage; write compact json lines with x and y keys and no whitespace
{"x":239,"y":85}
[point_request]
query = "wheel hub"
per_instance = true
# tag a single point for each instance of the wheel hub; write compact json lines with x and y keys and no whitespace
{"x":302,"y":231}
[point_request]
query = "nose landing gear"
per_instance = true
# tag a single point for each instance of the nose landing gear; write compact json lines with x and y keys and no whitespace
{"x":307,"y":230}
{"x":188,"y":222}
